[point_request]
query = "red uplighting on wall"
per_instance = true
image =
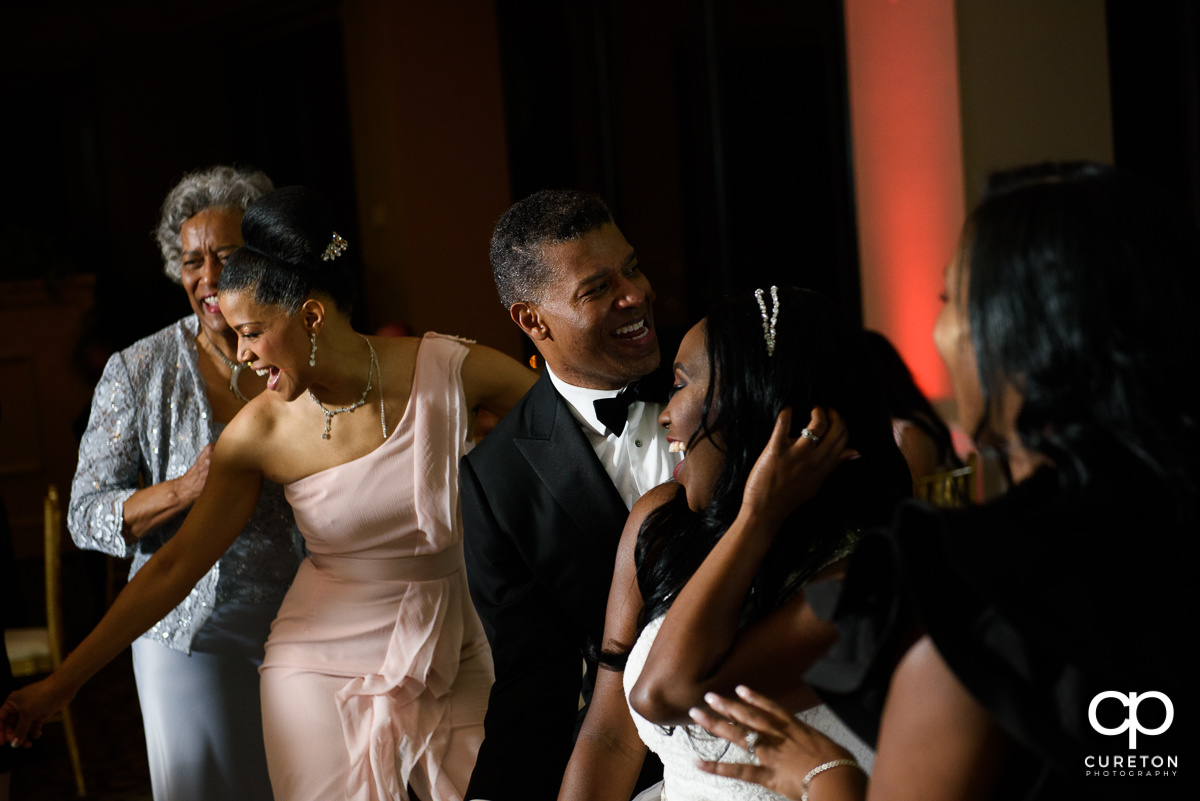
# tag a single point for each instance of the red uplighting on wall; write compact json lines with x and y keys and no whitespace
{"x":907,"y":154}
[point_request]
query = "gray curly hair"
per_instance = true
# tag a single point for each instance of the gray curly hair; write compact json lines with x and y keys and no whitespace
{"x":221,"y":187}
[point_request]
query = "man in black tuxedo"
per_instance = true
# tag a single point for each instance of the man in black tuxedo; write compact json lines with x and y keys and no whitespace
{"x":546,"y":494}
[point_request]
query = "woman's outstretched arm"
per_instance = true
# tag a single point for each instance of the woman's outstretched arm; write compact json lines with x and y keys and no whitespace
{"x":699,"y":648}
{"x":609,"y":753}
{"x":219,"y":514}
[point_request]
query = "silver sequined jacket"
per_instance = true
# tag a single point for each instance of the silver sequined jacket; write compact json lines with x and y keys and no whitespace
{"x":150,"y":415}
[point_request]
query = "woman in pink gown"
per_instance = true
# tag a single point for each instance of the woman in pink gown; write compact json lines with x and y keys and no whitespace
{"x":376,"y":673}
{"x":377,"y":641}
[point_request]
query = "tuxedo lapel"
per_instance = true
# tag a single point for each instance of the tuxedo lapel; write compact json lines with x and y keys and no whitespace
{"x":564,"y":461}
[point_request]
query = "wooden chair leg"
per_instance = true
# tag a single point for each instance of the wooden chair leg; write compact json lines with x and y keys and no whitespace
{"x":73,"y":750}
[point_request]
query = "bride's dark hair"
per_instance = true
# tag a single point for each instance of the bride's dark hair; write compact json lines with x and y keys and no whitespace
{"x":818,"y":360}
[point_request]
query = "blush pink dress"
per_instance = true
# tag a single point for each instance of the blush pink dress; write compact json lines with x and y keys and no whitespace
{"x":377,"y":671}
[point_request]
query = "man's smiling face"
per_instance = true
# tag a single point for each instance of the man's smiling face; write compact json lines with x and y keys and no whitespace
{"x":596,"y":324}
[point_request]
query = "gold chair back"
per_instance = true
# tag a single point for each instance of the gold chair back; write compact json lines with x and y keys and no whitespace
{"x":950,"y":489}
{"x":35,"y":651}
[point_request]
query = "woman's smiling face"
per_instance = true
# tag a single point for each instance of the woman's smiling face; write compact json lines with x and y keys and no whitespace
{"x":207,"y":239}
{"x":270,"y":339}
{"x":701,"y":467}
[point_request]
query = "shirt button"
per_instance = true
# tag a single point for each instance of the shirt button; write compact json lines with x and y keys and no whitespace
{"x":637,"y":442}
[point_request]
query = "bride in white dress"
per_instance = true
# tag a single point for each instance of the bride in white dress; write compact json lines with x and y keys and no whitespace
{"x":707,"y":590}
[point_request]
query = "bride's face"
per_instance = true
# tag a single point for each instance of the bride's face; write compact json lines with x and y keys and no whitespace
{"x":701,"y":466}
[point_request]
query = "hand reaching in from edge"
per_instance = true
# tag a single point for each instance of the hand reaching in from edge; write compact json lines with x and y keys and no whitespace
{"x":786,"y":748}
{"x":22,"y":715}
{"x":791,"y":470}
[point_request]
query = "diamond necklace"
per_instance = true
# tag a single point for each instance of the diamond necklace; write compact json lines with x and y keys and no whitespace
{"x":235,"y":370}
{"x":373,"y":367}
{"x":382,"y":419}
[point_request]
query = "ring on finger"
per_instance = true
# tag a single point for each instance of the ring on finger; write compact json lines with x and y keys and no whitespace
{"x":751,"y":741}
{"x":808,"y":433}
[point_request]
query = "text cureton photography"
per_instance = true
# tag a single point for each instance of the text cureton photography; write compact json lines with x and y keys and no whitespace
{"x":1122,"y":709}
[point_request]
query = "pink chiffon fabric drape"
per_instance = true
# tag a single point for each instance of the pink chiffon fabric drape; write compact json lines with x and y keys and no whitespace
{"x":377,"y":657}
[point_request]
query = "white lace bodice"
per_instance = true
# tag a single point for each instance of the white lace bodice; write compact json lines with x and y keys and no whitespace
{"x":680,"y":747}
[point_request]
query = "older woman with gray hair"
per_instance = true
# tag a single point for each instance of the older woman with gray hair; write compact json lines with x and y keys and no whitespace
{"x":159,"y":407}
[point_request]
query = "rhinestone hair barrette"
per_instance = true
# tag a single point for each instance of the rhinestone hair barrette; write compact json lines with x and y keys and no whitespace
{"x":769,"y":320}
{"x":335,"y":249}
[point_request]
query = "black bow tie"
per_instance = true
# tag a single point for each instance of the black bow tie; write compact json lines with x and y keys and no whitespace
{"x":613,"y":412}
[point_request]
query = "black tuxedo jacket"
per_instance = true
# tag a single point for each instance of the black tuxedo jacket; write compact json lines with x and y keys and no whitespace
{"x":541,"y":521}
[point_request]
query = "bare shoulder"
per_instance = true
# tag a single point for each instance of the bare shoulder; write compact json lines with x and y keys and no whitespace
{"x":395,"y":354}
{"x":650,"y":502}
{"x":929,"y":712}
{"x":643,"y":508}
{"x":397,"y":365}
{"x":923,"y":679}
{"x":624,"y":598}
{"x":250,"y":434}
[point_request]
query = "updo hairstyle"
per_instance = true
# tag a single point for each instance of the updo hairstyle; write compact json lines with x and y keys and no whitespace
{"x":287,"y":233}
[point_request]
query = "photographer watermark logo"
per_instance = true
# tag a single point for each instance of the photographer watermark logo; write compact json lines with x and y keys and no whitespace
{"x":1131,"y":724}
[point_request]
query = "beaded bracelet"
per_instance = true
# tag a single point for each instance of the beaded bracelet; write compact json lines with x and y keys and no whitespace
{"x":812,"y":774}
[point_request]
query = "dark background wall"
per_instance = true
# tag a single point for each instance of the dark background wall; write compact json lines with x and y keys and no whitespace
{"x":1154,"y":72}
{"x":118,"y":99}
{"x":673,"y":111}
{"x":716,"y":129}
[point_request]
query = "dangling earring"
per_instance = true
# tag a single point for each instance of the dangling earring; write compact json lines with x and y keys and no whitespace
{"x":312,"y":356}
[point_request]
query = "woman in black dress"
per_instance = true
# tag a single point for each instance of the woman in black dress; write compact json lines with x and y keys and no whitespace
{"x":1036,"y":646}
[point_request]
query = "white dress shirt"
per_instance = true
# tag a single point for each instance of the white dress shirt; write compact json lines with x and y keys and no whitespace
{"x":637,"y":461}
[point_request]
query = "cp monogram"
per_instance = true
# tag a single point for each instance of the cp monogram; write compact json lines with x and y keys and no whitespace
{"x":1131,"y":723}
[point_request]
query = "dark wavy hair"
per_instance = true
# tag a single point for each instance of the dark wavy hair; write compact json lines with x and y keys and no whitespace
{"x":286,"y":233}
{"x":818,"y":361}
{"x":1082,"y":282}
